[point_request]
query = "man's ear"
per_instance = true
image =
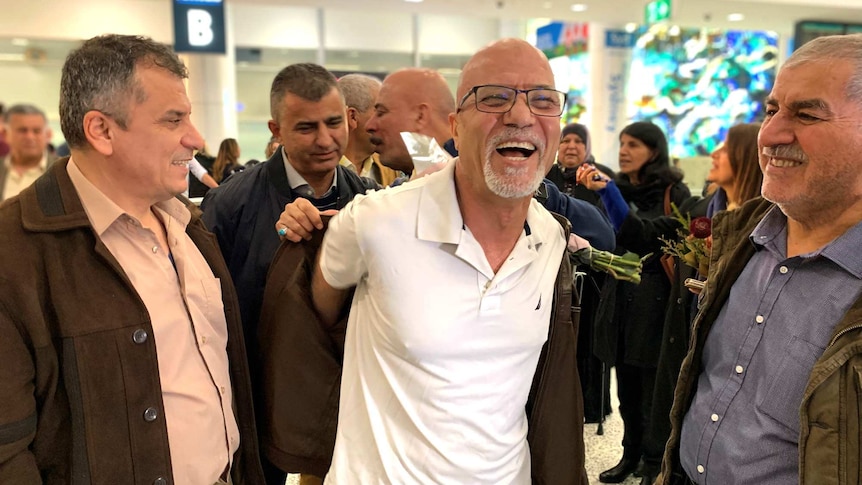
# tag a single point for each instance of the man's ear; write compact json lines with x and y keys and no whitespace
{"x":274,"y":129}
{"x":453,"y":128}
{"x":423,"y":116}
{"x":99,"y":131}
{"x":352,"y":120}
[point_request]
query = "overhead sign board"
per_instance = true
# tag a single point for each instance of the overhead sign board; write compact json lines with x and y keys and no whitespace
{"x":199,"y":26}
{"x":658,"y":11}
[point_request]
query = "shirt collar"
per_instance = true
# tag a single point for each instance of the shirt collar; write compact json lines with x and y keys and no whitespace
{"x":365,"y":166}
{"x":439,"y":217}
{"x":346,"y":163}
{"x":103,"y":212}
{"x":295,"y":180}
{"x":771,"y":234}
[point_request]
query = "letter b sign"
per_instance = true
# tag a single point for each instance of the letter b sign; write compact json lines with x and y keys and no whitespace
{"x":199,"y":26}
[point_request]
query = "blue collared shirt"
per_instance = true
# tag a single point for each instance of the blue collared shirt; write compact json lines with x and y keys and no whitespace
{"x":300,"y":186}
{"x":743,"y":425}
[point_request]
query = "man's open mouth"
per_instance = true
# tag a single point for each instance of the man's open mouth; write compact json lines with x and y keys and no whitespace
{"x":516,"y":150}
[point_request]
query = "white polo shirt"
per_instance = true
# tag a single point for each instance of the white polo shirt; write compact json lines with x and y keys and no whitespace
{"x":440,"y":352}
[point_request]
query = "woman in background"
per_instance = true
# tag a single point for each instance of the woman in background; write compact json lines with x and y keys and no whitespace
{"x":629,"y":321}
{"x":736,"y":172}
{"x":595,"y":380}
{"x":227,"y":160}
{"x":736,"y":169}
{"x":271,"y":146}
{"x":575,"y":150}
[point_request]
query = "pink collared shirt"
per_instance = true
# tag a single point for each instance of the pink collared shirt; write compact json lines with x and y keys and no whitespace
{"x":183,"y":299}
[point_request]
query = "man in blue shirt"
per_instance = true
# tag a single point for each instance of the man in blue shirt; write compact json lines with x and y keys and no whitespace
{"x":770,"y":392}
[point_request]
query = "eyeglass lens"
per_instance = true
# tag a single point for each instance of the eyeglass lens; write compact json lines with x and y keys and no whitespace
{"x":499,"y":99}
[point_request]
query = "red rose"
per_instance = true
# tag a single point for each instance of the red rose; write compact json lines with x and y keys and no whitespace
{"x":701,"y":227}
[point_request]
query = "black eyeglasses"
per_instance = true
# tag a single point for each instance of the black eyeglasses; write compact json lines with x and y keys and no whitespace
{"x":500,"y":99}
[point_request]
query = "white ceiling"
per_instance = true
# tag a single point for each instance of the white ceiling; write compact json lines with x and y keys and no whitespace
{"x":777,"y":15}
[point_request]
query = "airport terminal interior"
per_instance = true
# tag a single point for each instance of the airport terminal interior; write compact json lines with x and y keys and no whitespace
{"x":695,"y":70}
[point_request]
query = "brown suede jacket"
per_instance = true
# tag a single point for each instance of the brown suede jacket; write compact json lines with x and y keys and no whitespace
{"x":302,"y":376}
{"x":79,"y":365}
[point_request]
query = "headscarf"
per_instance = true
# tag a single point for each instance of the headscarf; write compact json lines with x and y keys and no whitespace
{"x":584,"y":133}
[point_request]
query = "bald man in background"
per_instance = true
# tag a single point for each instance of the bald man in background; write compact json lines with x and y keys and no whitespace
{"x":415,"y":100}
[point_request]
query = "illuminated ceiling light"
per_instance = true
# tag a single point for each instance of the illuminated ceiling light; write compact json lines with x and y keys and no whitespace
{"x":547,"y":5}
{"x":631,"y":27}
{"x":735,"y":17}
{"x":20,"y":42}
{"x":673,"y":30}
{"x":579,"y":7}
{"x":413,"y":1}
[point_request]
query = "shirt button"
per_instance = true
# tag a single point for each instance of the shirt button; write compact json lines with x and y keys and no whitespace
{"x":160,"y":481}
{"x":700,"y":469}
{"x":150,"y":415}
{"x":783,"y":270}
{"x":140,"y":336}
{"x":204,"y":339}
{"x":739,"y":369}
{"x":221,"y":389}
{"x":759,"y":319}
{"x":155,"y":249}
{"x":714,"y":418}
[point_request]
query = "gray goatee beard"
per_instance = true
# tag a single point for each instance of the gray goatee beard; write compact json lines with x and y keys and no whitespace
{"x":510,"y":184}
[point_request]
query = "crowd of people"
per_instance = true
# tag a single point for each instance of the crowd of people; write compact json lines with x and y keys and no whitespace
{"x":336,"y":312}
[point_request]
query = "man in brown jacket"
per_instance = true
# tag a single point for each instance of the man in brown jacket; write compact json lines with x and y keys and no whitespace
{"x":123,"y":357}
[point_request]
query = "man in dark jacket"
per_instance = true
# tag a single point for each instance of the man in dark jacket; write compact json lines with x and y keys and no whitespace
{"x":123,"y":355}
{"x":769,"y":392}
{"x":309,"y":119}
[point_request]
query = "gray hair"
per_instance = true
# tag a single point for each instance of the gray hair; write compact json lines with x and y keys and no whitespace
{"x":306,"y":80}
{"x":23,"y":109}
{"x":358,"y":90}
{"x":100,"y":76}
{"x":833,"y":47}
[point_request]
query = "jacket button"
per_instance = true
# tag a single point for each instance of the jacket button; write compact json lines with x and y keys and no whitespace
{"x":150,"y":415}
{"x":140,"y":336}
{"x":672,"y":339}
{"x":679,"y":301}
{"x":160,"y":481}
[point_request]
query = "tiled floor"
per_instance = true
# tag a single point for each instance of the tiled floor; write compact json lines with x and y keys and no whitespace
{"x":603,"y":451}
